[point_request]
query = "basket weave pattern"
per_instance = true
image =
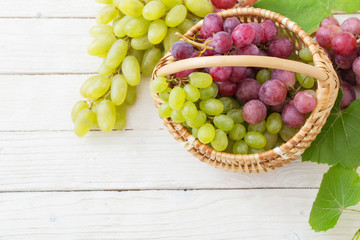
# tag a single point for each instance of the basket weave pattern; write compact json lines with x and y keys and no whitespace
{"x":327,"y":90}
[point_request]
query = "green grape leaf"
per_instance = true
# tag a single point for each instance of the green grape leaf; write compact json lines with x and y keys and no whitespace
{"x":339,"y":140}
{"x":340,"y":188}
{"x":308,"y":13}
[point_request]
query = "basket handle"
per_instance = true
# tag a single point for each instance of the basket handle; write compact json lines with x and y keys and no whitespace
{"x":242,"y":61}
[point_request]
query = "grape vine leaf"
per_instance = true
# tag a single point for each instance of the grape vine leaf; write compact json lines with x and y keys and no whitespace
{"x":340,"y":188}
{"x":339,"y":140}
{"x":308,"y":13}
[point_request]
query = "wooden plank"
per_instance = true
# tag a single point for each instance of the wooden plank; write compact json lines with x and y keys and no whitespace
{"x":44,"y":8}
{"x":252,"y":214}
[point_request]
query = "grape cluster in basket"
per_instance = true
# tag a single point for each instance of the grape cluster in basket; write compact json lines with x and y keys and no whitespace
{"x":340,"y":43}
{"x":239,"y":110}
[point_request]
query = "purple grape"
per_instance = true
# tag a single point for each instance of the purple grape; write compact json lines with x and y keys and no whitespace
{"x":230,"y":24}
{"x":348,"y":97}
{"x":345,"y":62}
{"x":204,"y":34}
{"x":356,"y":66}
{"x":325,"y":35}
{"x":226,"y":89}
{"x":212,"y":23}
{"x":304,"y":102}
{"x":343,"y":43}
{"x":270,"y":30}
{"x":254,"y":112}
{"x":292,"y":117}
{"x":243,"y":35}
{"x":281,"y":48}
{"x":222,"y":42}
{"x":329,"y":21}
{"x":273,"y":92}
{"x":248,"y":89}
{"x":278,"y":108}
{"x":263,"y":53}
{"x":351,"y":25}
{"x":223,"y":4}
{"x":220,"y":74}
{"x":238,"y":74}
{"x":251,"y":49}
{"x":250,"y":73}
{"x":209,"y":52}
{"x":182,"y":50}
{"x":185,"y":73}
{"x":259,"y":32}
{"x":348,"y":76}
{"x":286,"y":77}
{"x":358,"y":80}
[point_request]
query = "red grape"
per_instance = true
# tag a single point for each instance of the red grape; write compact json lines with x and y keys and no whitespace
{"x":248,"y":89}
{"x":345,"y":62}
{"x":238,"y":74}
{"x":212,"y":23}
{"x":304,"y":102}
{"x":329,"y":21}
{"x":259,"y":32}
{"x":286,"y":77}
{"x":182,"y":50}
{"x":254,"y":112}
{"x":209,"y":52}
{"x":343,"y":43}
{"x":281,"y":48}
{"x":230,"y":24}
{"x":251,"y":49}
{"x":351,"y":25}
{"x":325,"y":35}
{"x":349,"y":76}
{"x":250,"y":73}
{"x":358,"y":80}
{"x":292,"y":117}
{"x":273,"y":92}
{"x":356,"y":66}
{"x":222,"y":42}
{"x":226,"y":89}
{"x":278,"y":108}
{"x":223,"y":4}
{"x":204,"y":34}
{"x":220,"y":74}
{"x":243,"y":35}
{"x":349,"y":95}
{"x":270,"y":30}
{"x":185,"y":73}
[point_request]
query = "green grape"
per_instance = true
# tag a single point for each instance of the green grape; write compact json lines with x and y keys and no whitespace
{"x":131,"y":70}
{"x":176,"y":15}
{"x":137,"y":27}
{"x":286,"y":133}
{"x":274,"y":123}
{"x":120,"y":122}
{"x":260,"y":128}
{"x":189,"y":110}
{"x":195,"y":132}
{"x":78,"y":107}
{"x":141,"y":43}
{"x":103,"y":69}
{"x":206,"y":133}
{"x":84,"y":121}
{"x":305,"y":55}
{"x":157,"y":31}
{"x":177,"y":98}
{"x":164,"y":110}
{"x":100,"y":29}
{"x":159,"y":85}
{"x":212,"y":107}
{"x":170,"y":38}
{"x":224,"y":122}
{"x":198,"y":121}
{"x":150,"y":59}
{"x":270,"y":140}
{"x":106,"y":115}
{"x":236,"y":115}
{"x":136,"y":53}
{"x":237,"y":132}
{"x":216,"y":90}
{"x":101,"y":45}
{"x":131,"y":95}
{"x":117,"y":54}
{"x":105,"y":1}
{"x":255,"y":140}
{"x":200,"y":8}
{"x":236,"y":104}
{"x":185,"y":26}
{"x":118,"y":89}
{"x":305,"y":81}
{"x":229,"y":148}
{"x":278,"y":143}
{"x":206,"y":93}
{"x":116,"y":2}
{"x":186,"y":126}
{"x":95,"y":87}
{"x":177,"y":116}
{"x":119,"y":26}
{"x":153,"y":10}
{"x":107,"y":14}
{"x":171,"y":3}
{"x":191,"y":93}
{"x":240,"y":147}
{"x":255,"y":151}
{"x":312,"y":92}
{"x":193,"y":18}
{"x":228,"y":104}
{"x":131,"y":7}
{"x":200,"y":79}
{"x":220,"y":141}
{"x":165,"y":94}
{"x":263,"y":75}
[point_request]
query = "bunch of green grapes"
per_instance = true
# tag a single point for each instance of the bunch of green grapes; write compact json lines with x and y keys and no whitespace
{"x":131,"y":36}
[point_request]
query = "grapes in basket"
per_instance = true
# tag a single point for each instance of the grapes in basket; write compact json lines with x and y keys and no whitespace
{"x":240,"y":110}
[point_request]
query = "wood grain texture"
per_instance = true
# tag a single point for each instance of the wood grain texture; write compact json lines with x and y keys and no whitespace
{"x":240,"y":214}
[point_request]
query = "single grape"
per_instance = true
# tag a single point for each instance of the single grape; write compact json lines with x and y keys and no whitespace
{"x":78,"y":107}
{"x":212,"y":107}
{"x":101,"y":45}
{"x":348,"y":97}
{"x":270,"y":140}
{"x":279,"y":108}
{"x":119,"y":26}
{"x":223,"y":4}
{"x":164,"y":110}
{"x":141,"y":43}
{"x":248,"y":50}
{"x":243,"y":35}
{"x":177,"y":98}
{"x":206,"y":133}
{"x":185,"y":73}
{"x":349,"y":76}
{"x":170,"y":38}
{"x":220,"y":74}
{"x":228,"y":104}
{"x":237,"y":132}
{"x":236,"y":103}
{"x":106,"y":115}
{"x":222,"y":42}
{"x":325,"y":34}
{"x":224,"y":122}
{"x":177,"y":116}
{"x":132,"y":8}
{"x":131,"y":95}
{"x":286,"y":133}
{"x":195,"y":132}
{"x":159,"y":85}
{"x":105,"y":70}
{"x":165,"y":94}
{"x":281,"y":48}
{"x":137,"y":27}
{"x":189,"y":110}
{"x":185,"y":26}
{"x":329,"y":21}
{"x":255,"y":140}
{"x":84,"y":121}
{"x":131,"y":70}
{"x":117,"y":54}
{"x":171,"y":3}
{"x":212,"y":23}
{"x":120,"y":122}
{"x":305,"y":81}
{"x":270,"y":30}
{"x":207,"y":93}
{"x":343,"y":43}
{"x":240,"y":147}
{"x":230,"y":24}
{"x":191,"y":93}
{"x":274,"y":123}
{"x":176,"y":15}
{"x":254,"y":112}
{"x":153,"y":10}
{"x":259,"y":32}
{"x":200,"y":79}
{"x":273,"y":92}
{"x":150,"y":59}
{"x":220,"y":141}
{"x":157,"y":31}
{"x":215,"y":89}
{"x":236,"y":115}
{"x":95,"y":87}
{"x":292,"y":117}
{"x":209,"y":52}
{"x":119,"y":88}
{"x":227,"y":88}
{"x":263,"y":75}
{"x":346,"y":62}
{"x":248,"y":89}
{"x":238,"y":74}
{"x":198,"y":121}
{"x":260,"y":127}
{"x":250,"y":73}
{"x":304,"y":102}
{"x":199,"y":7}
{"x":356,"y":66}
{"x":100,"y":29}
{"x":182,"y":50}
{"x":351,"y":25}
{"x":305,"y":55}
{"x":107,"y":14}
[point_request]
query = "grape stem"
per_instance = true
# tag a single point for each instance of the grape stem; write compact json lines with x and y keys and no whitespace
{"x":357,"y":235}
{"x":352,"y":210}
{"x":196,"y":44}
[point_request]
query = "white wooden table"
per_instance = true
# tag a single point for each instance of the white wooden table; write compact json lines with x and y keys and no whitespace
{"x":134,"y":184}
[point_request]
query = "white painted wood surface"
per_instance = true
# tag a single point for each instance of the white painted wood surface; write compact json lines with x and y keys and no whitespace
{"x":134,"y":184}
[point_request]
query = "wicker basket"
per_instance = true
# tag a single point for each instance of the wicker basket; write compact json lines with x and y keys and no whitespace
{"x":327,"y":90}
